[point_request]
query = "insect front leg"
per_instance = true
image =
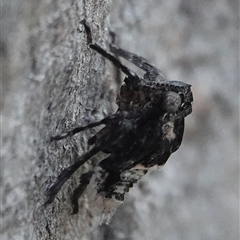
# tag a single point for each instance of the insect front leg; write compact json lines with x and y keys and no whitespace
{"x":105,"y":54}
{"x":137,"y":60}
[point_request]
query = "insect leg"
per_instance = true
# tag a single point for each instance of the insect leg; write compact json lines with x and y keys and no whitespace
{"x":79,"y":129}
{"x":67,"y":173}
{"x":84,"y":181}
{"x":136,"y":60}
{"x":105,"y":54}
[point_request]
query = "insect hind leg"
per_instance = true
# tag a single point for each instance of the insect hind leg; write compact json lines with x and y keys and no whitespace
{"x":84,"y":181}
{"x":66,"y":174}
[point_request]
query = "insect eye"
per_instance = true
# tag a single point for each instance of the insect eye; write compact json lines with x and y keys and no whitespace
{"x":171,"y":102}
{"x":181,"y":95}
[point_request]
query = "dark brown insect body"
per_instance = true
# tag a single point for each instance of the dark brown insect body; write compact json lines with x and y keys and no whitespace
{"x":146,"y":129}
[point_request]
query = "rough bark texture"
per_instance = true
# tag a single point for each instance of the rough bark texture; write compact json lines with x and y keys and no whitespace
{"x":52,"y":82}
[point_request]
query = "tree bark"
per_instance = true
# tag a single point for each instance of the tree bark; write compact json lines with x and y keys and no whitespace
{"x":51,"y":82}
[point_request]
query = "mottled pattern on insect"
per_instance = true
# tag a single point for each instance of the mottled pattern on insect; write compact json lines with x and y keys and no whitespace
{"x":146,"y":129}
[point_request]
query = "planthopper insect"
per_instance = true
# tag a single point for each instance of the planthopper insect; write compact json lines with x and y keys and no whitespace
{"x":145,"y":130}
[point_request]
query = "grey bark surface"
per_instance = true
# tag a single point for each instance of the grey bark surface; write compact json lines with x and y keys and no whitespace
{"x":52,"y":82}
